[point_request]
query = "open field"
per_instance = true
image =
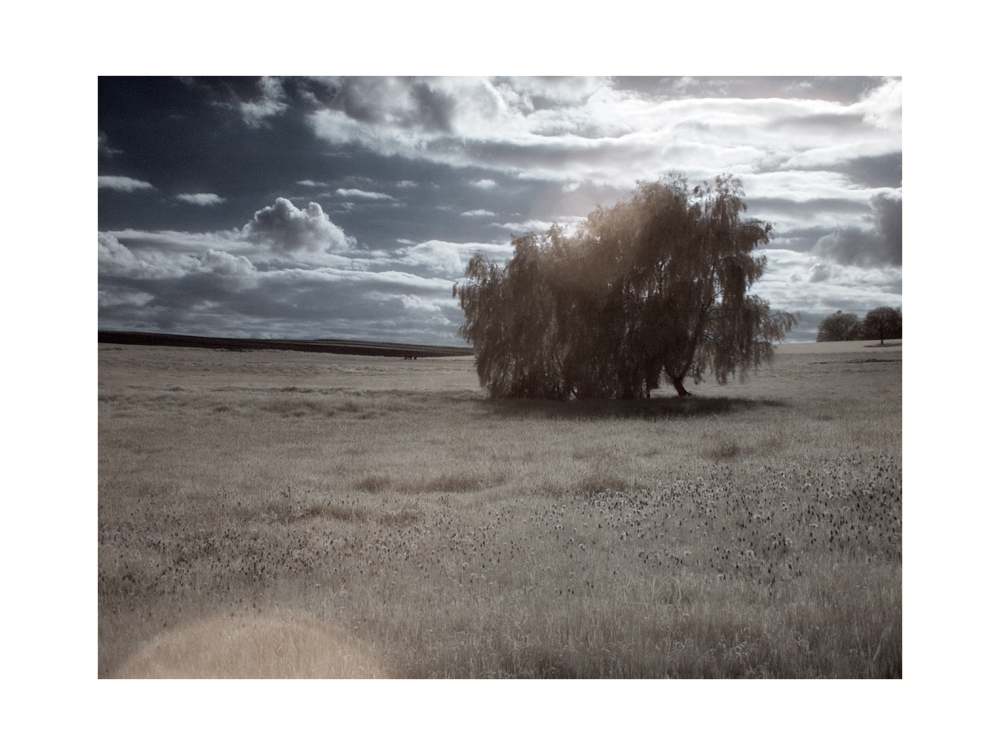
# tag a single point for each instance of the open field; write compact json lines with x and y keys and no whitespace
{"x":281,"y":513}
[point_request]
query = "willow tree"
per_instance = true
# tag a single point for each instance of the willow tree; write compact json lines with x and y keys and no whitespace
{"x":657,"y":285}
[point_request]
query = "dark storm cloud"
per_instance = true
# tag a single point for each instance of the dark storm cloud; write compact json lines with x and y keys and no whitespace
{"x":876,"y":172}
{"x":880,"y":247}
{"x":765,"y":206}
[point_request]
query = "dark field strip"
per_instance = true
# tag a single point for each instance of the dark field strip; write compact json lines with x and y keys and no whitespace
{"x":329,"y":346}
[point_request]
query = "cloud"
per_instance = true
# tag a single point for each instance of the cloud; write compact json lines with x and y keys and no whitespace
{"x":271,"y":102}
{"x":203,"y":200}
{"x":821,"y":160}
{"x":121,"y":183}
{"x":815,"y":288}
{"x":568,"y":223}
{"x":881,"y":246}
{"x":288,"y":271}
{"x":589,"y":130}
{"x":104,"y":146}
{"x":441,"y":259}
{"x":883,"y":106}
{"x":362,"y":194}
{"x":291,"y":303}
{"x":226,"y":264}
{"x":116,"y":260}
{"x":286,"y":230}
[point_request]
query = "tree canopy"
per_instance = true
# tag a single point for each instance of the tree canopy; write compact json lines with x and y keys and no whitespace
{"x":840,"y":326}
{"x":880,"y":323}
{"x":884,"y":322}
{"x":657,"y":285}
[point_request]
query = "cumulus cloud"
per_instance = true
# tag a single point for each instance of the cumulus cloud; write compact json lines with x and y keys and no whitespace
{"x":285,"y":229}
{"x":485,"y":183}
{"x":478,"y":214}
{"x":226,"y":264}
{"x":122,"y":183}
{"x":361,"y":194}
{"x":203,"y":200}
{"x":879,"y":246}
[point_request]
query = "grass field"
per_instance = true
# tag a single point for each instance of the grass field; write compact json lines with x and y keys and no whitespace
{"x":294,"y":514}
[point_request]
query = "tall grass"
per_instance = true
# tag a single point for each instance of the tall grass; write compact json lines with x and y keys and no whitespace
{"x":325,"y":502}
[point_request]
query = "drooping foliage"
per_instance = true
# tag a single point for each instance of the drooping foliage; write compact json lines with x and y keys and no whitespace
{"x":654,"y":286}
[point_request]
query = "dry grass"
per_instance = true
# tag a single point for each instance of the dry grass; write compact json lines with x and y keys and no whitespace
{"x":381,"y":518}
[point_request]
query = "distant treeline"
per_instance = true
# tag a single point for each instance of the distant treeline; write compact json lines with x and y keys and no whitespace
{"x":326,"y":345}
{"x":880,"y":323}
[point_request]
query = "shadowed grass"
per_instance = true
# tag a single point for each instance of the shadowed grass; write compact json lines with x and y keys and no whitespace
{"x":651,"y":408}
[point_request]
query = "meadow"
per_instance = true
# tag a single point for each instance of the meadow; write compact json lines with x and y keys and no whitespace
{"x":270,"y":514}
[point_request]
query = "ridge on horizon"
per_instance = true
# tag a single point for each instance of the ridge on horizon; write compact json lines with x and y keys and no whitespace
{"x":327,"y":345}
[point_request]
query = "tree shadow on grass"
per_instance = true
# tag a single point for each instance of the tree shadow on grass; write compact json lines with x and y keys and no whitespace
{"x":651,"y":408}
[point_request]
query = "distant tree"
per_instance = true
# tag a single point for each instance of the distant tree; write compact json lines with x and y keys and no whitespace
{"x":656,"y":285}
{"x":840,"y":326}
{"x":883,"y":322}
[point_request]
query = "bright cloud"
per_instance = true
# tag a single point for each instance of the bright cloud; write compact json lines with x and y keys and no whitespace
{"x":286,"y":230}
{"x":599,"y":133}
{"x":121,"y":183}
{"x":203,"y":200}
{"x":361,"y":194}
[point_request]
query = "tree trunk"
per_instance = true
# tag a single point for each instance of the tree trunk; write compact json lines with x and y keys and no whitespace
{"x":679,"y":387}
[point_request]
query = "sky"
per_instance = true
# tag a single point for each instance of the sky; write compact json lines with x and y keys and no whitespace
{"x":339,"y":207}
